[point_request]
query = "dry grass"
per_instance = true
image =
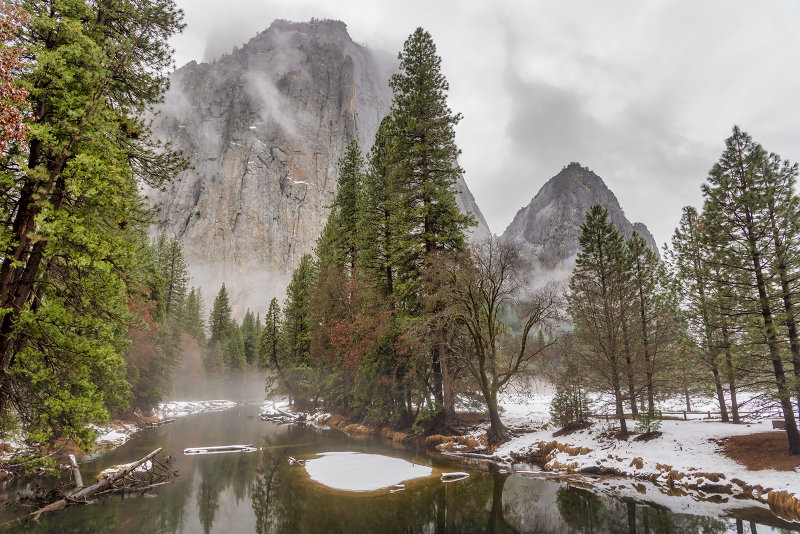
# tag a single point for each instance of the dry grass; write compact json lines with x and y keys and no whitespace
{"x":764,"y":450}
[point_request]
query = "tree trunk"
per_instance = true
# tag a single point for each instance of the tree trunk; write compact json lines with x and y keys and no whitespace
{"x":774,"y":352}
{"x":629,"y":373}
{"x":623,"y":426}
{"x":723,"y":410}
{"x":631,"y":517}
{"x":448,"y":386}
{"x":102,"y":485}
{"x":788,"y":303}
{"x":498,"y":433}
{"x":496,"y":520}
{"x":731,"y":376}
{"x":648,"y":369}
{"x":437,"y":377}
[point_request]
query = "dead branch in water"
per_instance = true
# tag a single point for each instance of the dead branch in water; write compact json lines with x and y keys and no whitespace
{"x":141,"y":475}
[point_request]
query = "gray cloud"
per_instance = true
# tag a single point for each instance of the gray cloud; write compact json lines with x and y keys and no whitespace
{"x":643,"y":93}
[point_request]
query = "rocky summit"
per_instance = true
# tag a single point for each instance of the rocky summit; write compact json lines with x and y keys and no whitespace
{"x":263,"y":128}
{"x":549,"y":227}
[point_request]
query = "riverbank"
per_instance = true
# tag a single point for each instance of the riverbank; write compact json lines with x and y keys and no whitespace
{"x":109,"y":436}
{"x":694,"y":459}
{"x":683,"y":464}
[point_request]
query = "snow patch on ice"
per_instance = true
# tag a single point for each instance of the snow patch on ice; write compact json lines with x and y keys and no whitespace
{"x":353,"y":471}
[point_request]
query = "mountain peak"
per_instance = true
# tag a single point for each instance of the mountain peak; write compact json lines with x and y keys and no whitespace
{"x":548,"y":228}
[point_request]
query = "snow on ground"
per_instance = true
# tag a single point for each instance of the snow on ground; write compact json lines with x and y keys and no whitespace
{"x":276,"y":406}
{"x":687,"y":448}
{"x":181,"y":408}
{"x":353,"y":471}
{"x":114,"y":435}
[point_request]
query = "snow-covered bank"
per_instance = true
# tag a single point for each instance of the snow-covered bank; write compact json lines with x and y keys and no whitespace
{"x":686,"y":457}
{"x":117,"y":432}
{"x":682,"y":468}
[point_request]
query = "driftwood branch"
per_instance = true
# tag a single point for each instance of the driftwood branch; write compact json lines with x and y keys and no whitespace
{"x":82,"y":496}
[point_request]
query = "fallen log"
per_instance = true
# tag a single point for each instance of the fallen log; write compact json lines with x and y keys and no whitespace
{"x":82,"y":496}
{"x":220,"y":449}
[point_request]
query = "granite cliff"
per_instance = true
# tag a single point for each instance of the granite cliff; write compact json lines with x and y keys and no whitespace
{"x":263,"y":128}
{"x":548,"y":228}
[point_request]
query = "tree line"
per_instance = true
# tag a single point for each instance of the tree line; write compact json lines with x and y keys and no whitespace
{"x":231,"y":346}
{"x":90,"y":309}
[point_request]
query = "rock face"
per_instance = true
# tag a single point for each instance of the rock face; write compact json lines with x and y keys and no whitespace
{"x":263,"y":128}
{"x":549,"y":227}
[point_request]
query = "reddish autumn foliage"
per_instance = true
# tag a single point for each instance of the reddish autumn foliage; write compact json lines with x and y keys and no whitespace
{"x":143,"y":356}
{"x":357,"y":321}
{"x":13,"y":101}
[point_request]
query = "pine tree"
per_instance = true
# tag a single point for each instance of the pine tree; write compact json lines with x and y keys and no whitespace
{"x":236,"y":357}
{"x":597,"y":303}
{"x":691,"y":262}
{"x":175,"y":273}
{"x":298,"y":321}
{"x":338,"y":245}
{"x":74,"y":216}
{"x":645,"y":277}
{"x":193,"y":313}
{"x":298,"y":325}
{"x":783,"y":205}
{"x":376,"y":211}
{"x":250,"y":337}
{"x":271,"y":337}
{"x":423,"y":164}
{"x":221,"y":327}
{"x":737,"y":195}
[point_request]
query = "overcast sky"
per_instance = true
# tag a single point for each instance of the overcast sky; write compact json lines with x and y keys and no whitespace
{"x":641,"y":92}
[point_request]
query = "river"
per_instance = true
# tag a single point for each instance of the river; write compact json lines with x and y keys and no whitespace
{"x":260,"y":492}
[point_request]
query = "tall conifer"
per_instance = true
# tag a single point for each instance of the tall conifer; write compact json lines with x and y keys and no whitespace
{"x":597,"y":303}
{"x":423,"y":163}
{"x":737,"y":193}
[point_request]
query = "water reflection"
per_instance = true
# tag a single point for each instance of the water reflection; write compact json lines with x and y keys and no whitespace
{"x":260,"y":492}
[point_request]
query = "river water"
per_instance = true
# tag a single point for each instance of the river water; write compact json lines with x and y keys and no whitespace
{"x":260,"y":492}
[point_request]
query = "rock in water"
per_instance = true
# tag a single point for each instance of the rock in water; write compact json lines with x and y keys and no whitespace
{"x":548,"y":229}
{"x":263,"y":128}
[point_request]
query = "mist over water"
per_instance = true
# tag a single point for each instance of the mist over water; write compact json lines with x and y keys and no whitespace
{"x":193,"y":383}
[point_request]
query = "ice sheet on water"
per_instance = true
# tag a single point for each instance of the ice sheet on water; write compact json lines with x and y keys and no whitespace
{"x":353,"y":471}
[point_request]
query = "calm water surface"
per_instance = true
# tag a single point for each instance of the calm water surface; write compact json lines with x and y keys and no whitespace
{"x":260,"y":492}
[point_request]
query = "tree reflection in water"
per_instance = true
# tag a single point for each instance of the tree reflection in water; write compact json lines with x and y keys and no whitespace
{"x":585,"y":512}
